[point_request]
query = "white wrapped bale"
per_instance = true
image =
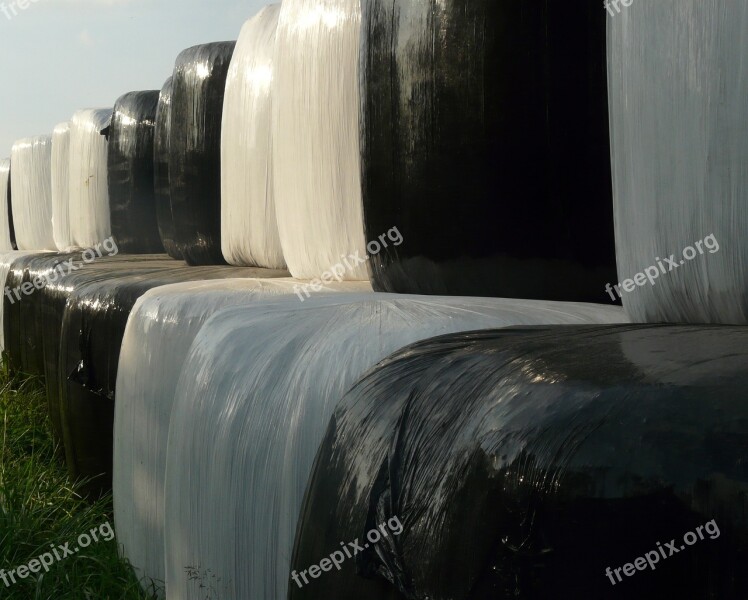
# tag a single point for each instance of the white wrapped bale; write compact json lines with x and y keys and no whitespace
{"x":316,"y":155}
{"x":160,"y":330}
{"x":253,"y":401}
{"x":6,"y":241}
{"x":61,"y":187}
{"x":249,"y":229}
{"x":89,"y":193}
{"x":31,"y":184}
{"x":678,"y":88}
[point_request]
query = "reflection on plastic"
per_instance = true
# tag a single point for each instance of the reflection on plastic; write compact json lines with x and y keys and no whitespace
{"x":31,"y":178}
{"x":89,"y":190}
{"x":679,"y":154}
{"x":316,"y":157}
{"x":132,"y":199}
{"x":485,"y":140}
{"x":252,"y":404}
{"x":525,"y":462}
{"x":61,"y":187}
{"x":198,"y":86}
{"x":6,"y":243}
{"x":161,"y":147}
{"x":249,"y":229}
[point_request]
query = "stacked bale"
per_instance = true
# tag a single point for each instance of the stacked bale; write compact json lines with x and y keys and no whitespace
{"x":89,"y":190}
{"x":507,"y":455}
{"x":61,"y":187}
{"x":31,"y":182}
{"x":198,"y":86}
{"x":251,"y":407}
{"x":159,"y":333}
{"x":316,"y":156}
{"x":161,"y":147}
{"x":249,"y":229}
{"x":679,"y":160}
{"x":130,"y":168}
{"x":485,"y":140}
{"x":6,"y":240}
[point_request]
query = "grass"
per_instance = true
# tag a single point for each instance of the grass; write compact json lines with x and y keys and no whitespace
{"x":41,"y":507}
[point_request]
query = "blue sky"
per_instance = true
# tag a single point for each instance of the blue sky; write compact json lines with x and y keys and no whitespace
{"x":62,"y":55}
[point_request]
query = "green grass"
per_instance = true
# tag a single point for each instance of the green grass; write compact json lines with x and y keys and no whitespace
{"x":40,"y":506}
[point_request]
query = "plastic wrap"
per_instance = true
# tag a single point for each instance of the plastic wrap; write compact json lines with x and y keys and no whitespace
{"x":253,"y":401}
{"x":89,"y":191}
{"x":316,"y":156}
{"x":31,"y":182}
{"x":93,"y":326}
{"x":679,"y":156}
{"x":6,"y":242}
{"x":249,"y":229}
{"x":6,"y":261}
{"x":130,"y":172}
{"x":159,"y":333}
{"x":524,"y":463}
{"x":61,"y":187}
{"x":161,"y":147}
{"x":485,"y":142}
{"x":198,"y":86}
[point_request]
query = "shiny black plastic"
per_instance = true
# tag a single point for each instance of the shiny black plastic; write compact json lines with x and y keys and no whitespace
{"x":525,"y":462}
{"x":11,"y":227}
{"x":161,"y":172}
{"x":93,"y":326}
{"x":485,"y":142}
{"x":198,"y":87}
{"x":132,"y":199}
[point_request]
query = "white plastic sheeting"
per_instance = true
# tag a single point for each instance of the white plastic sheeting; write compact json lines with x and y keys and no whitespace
{"x":6,"y":244}
{"x":31,"y":193}
{"x":89,"y":194}
{"x":678,"y":89}
{"x":61,"y":187}
{"x":160,"y":330}
{"x":249,"y":229}
{"x":253,"y":401}
{"x":316,"y":154}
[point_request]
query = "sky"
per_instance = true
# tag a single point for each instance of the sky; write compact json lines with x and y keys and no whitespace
{"x":59,"y":56}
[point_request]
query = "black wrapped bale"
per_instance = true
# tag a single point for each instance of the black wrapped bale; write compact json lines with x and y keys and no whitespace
{"x":195,"y":154}
{"x":485,"y":142}
{"x":132,"y":199}
{"x":48,"y":307}
{"x":93,"y":326}
{"x":539,"y":463}
{"x":161,"y":147}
